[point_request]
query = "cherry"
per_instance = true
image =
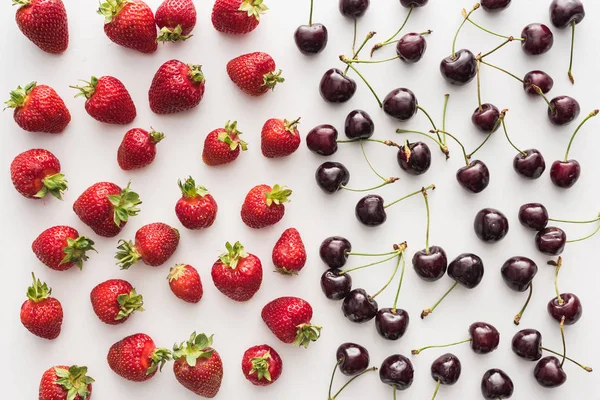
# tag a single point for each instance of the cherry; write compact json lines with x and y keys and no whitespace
{"x":359,"y":307}
{"x":446,"y":369}
{"x":496,"y":385}
{"x":474,"y":177}
{"x":483,"y":337}
{"x":565,"y":174}
{"x":527,"y":344}
{"x":565,"y":13}
{"x":353,"y":8}
{"x":534,"y":216}
{"x":529,"y":164}
{"x":413,"y":3}
{"x":430,"y":266}
{"x":518,"y":272}
{"x":359,"y":125}
{"x":538,"y":39}
{"x":335,"y":285}
{"x":414,"y":158}
{"x":334,"y":251}
{"x":551,"y":240}
{"x":411,"y":47}
{"x":490,"y":225}
{"x":485,"y":118}
{"x":549,"y":373}
{"x":567,"y":306}
{"x":352,"y":359}
{"x":562,"y":110}
{"x":495,"y":5}
{"x":391,"y":323}
{"x":460,"y":68}
{"x":400,"y":104}
{"x":332,"y":176}
{"x":322,"y":139}
{"x":539,"y":79}
{"x":370,"y":210}
{"x":397,"y":371}
{"x":336,"y":87}
{"x":311,"y":39}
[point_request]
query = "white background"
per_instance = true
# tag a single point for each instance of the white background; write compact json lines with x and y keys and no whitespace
{"x":87,"y":150}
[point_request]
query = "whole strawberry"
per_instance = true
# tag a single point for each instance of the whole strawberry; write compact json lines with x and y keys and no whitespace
{"x":223,"y":145}
{"x":261,"y":365}
{"x":289,"y":254}
{"x":237,"y":274}
{"x":197,"y":366}
{"x":38,"y":108}
{"x":185,"y":283}
{"x":289,"y":319}
{"x":254,"y":73}
{"x":61,"y":247}
{"x":264,"y":206}
{"x":154,"y":245}
{"x":115,"y":300}
{"x":106,"y":208}
{"x":279,"y":138}
{"x":108,"y":100}
{"x":66,"y":383}
{"x":237,"y":17}
{"x":36,"y":172}
{"x":41,"y":314}
{"x":129,"y":23}
{"x":44,"y":22}
{"x":176,"y":19}
{"x":136,"y":358}
{"x":196,"y":209}
{"x":138,"y":148}
{"x":176,"y":87}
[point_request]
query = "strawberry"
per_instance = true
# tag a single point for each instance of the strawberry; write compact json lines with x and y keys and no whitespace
{"x":138,"y":148}
{"x":289,"y":254}
{"x":61,"y":247}
{"x":176,"y":19}
{"x":237,"y":17}
{"x":197,"y":366}
{"x":176,"y":87}
{"x":36,"y":172}
{"x":106,"y":208}
{"x":66,"y":383}
{"x":38,"y":108}
{"x":44,"y":22}
{"x":115,"y":300}
{"x":254,"y":73}
{"x":279,"y":138}
{"x":41,"y":314}
{"x":129,"y":23}
{"x":223,"y":145}
{"x":196,"y":209}
{"x":154,"y":245}
{"x":108,"y":100}
{"x":264,"y":206}
{"x":136,"y":358}
{"x":289,"y":319}
{"x":185,"y":283}
{"x":237,"y":274}
{"x":261,"y":365}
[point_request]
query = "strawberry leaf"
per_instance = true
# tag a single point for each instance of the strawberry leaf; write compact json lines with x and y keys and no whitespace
{"x":278,"y":195}
{"x":74,"y":381}
{"x":271,"y":79}
{"x":19,"y":95}
{"x":159,"y":359}
{"x":54,"y":184}
{"x":307,"y":333}
{"x":129,"y":303}
{"x":38,"y":291}
{"x":76,"y":249}
{"x":125,"y":205}
{"x":127,"y":254}
{"x":260,"y":367}
{"x":233,"y":254}
{"x":190,"y":190}
{"x":254,"y":8}
{"x":198,"y":346}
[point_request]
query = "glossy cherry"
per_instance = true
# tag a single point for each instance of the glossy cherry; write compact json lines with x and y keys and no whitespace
{"x":352,"y":359}
{"x":485,"y":337}
{"x":467,"y":270}
{"x":570,"y":308}
{"x":430,"y":266}
{"x":335,"y":87}
{"x":400,"y":104}
{"x":414,"y":158}
{"x":411,"y":47}
{"x":359,"y":307}
{"x":539,"y":79}
{"x":359,"y":125}
{"x":391,"y":323}
{"x":311,"y":39}
{"x":475,"y":177}
{"x":353,"y":8}
{"x":529,"y":164}
{"x":322,"y":139}
{"x":496,"y":385}
{"x":485,"y":118}
{"x":518,"y":272}
{"x":490,"y":225}
{"x":334,"y":251}
{"x":549,"y":373}
{"x":538,"y":39}
{"x":370,"y":210}
{"x":413,"y":3}
{"x":335,"y":285}
{"x":459,"y":69}
{"x":446,"y":369}
{"x":332,"y":176}
{"x":565,"y":12}
{"x":534,"y":216}
{"x":563,"y":110}
{"x":565,"y":174}
{"x":397,"y":371}
{"x":527,"y":344}
{"x":495,"y":5}
{"x":551,"y":240}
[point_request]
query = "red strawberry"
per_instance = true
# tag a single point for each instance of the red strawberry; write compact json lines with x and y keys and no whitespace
{"x":138,"y":148}
{"x":41,"y":314}
{"x":254,"y":73}
{"x":289,"y":319}
{"x":279,"y":138}
{"x":154,"y":245}
{"x":105,"y":207}
{"x":196,"y":209}
{"x":237,"y":16}
{"x":176,"y":87}
{"x":136,"y":358}
{"x":261,"y":365}
{"x":263,"y":206}
{"x":66,"y":383}
{"x":289,"y":254}
{"x":115,"y":300}
{"x":61,"y":247}
{"x":176,"y":19}
{"x":129,"y":23}
{"x":197,"y":366}
{"x":185,"y":283}
{"x":223,"y":145}
{"x":108,"y":100}
{"x":36,"y":172}
{"x":44,"y":22}
{"x":237,"y":274}
{"x":39,"y":109}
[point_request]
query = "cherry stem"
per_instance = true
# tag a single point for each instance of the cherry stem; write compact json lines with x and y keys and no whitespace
{"x":351,"y":380}
{"x":510,"y":141}
{"x":400,"y":257}
{"x":403,"y":246}
{"x":466,"y":17}
{"x":585,"y":237}
{"x":564,"y":342}
{"x":446,"y":99}
{"x":439,"y":346}
{"x":345,"y":60}
{"x":430,"y":187}
{"x":390,"y":40}
{"x":479,"y":83}
{"x":362,"y":148}
{"x":590,"y":115}
{"x":372,"y":61}
{"x":575,"y":222}
{"x":459,"y":143}
{"x":507,"y":41}
{"x":386,"y":182}
{"x":437,"y":388}
{"x":442,"y":146}
{"x":426,"y":199}
{"x":489,"y":135}
{"x":428,"y":311}
{"x":394,"y":392}
{"x":356,"y":53}
{"x":333,"y":376}
{"x":429,"y":118}
{"x":354,"y":38}
{"x":492,"y":32}
{"x":502,"y":70}
{"x":588,"y":369}
{"x":389,"y":253}
{"x":311,"y":13}
{"x":388,"y":143}
{"x":518,"y":317}
{"x":345,"y":271}
{"x":569,"y":73}
{"x":556,"y":271}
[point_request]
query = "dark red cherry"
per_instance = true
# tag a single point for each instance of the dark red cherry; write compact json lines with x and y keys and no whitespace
{"x":538,"y":39}
{"x":335,"y":285}
{"x":527,"y":344}
{"x":335,"y":87}
{"x":446,"y":369}
{"x":534,"y":216}
{"x":496,"y":385}
{"x":530,"y":165}
{"x":549,"y":373}
{"x":432,"y":265}
{"x":400,"y":104}
{"x":571,"y":308}
{"x":397,"y":371}
{"x":359,"y":125}
{"x":460,"y":69}
{"x":370,"y":210}
{"x":518,"y":272}
{"x":391,"y":324}
{"x":565,"y":12}
{"x":413,"y":3}
{"x":414,"y":158}
{"x":359,"y":307}
{"x":495,"y":5}
{"x":563,"y":110}
{"x":551,"y":241}
{"x":331,"y":176}
{"x":411,"y":47}
{"x":322,"y":139}
{"x":565,"y":174}
{"x":354,"y":8}
{"x":539,"y":79}
{"x":485,"y":337}
{"x":352,"y":358}
{"x":334,"y":251}
{"x":475,"y":177}
{"x":467,"y":270}
{"x":311,"y":39}
{"x":485,"y":118}
{"x":490,"y":225}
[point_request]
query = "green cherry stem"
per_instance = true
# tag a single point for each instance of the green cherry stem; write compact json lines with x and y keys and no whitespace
{"x":575,"y":222}
{"x":430,"y":187}
{"x":585,"y":237}
{"x":464,"y":151}
{"x":362,"y":148}
{"x":394,"y":392}
{"x":354,"y":36}
{"x":501,"y":70}
{"x":311,"y":13}
{"x":345,"y":271}
{"x":439,"y":346}
{"x":478,"y":70}
{"x":558,"y":265}
{"x":428,"y":311}
{"x":492,"y":32}
{"x":352,"y":380}
{"x":426,"y":199}
{"x":465,"y":19}
{"x":389,"y":253}
{"x":345,"y":60}
{"x":333,"y":376}
{"x":588,"y":369}
{"x":564,"y":342}
{"x":442,"y":146}
{"x":356,"y":53}
{"x":570,"y":73}
{"x":446,"y":99}
{"x":590,"y":115}
{"x":510,"y":141}
{"x":390,"y":40}
{"x":388,"y":143}
{"x":373,"y":61}
{"x":429,"y":118}
{"x":489,"y":135}
{"x":518,"y":317}
{"x":385,"y":182}
{"x":437,"y":388}
{"x":507,"y":41}
{"x":401,"y":249}
{"x":400,"y":257}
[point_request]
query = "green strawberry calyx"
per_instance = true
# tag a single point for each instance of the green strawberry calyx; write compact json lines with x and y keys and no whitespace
{"x":176,"y":272}
{"x":260,"y":367}
{"x":74,"y":381}
{"x":19,"y":95}
{"x":254,"y":8}
{"x":155,"y":136}
{"x":127,"y":254}
{"x":159,"y":359}
{"x":291,"y":126}
{"x":233,"y":255}
{"x":307,"y":333}
{"x":190,"y":190}
{"x":129,"y":303}
{"x":231,"y":136}
{"x":54,"y":184}
{"x":278,"y":195}
{"x":172,"y":35}
{"x":198,"y":346}
{"x":125,"y":205}
{"x":88,"y":89}
{"x":195,"y":73}
{"x":38,"y":291}
{"x":21,"y":2}
{"x":271,"y":79}
{"x":76,"y":249}
{"x":111,"y":8}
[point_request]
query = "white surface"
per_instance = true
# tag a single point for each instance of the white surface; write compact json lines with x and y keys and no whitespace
{"x":87,"y":151}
